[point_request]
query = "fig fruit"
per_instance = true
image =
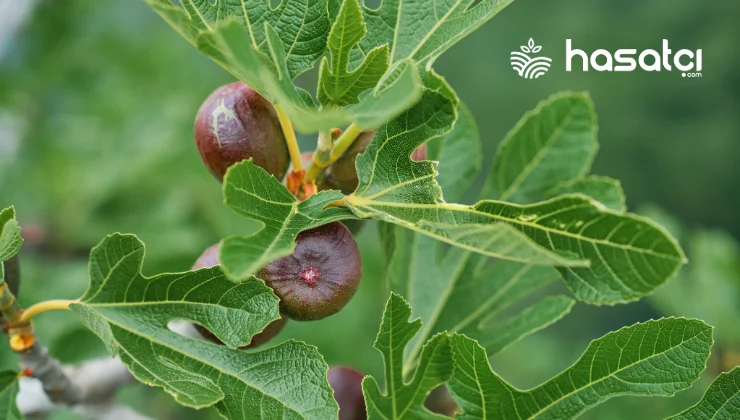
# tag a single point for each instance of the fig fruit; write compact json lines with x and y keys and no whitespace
{"x":236,"y":123}
{"x":319,"y":277}
{"x":209,"y":259}
{"x":342,"y":174}
{"x":347,"y":385}
{"x":440,"y":401}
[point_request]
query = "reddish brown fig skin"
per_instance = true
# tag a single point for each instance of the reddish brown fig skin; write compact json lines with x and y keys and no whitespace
{"x":342,"y":174}
{"x":319,"y":277}
{"x":209,"y":259}
{"x":347,"y":385}
{"x":236,"y":123}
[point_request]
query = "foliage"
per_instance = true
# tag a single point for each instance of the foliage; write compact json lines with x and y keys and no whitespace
{"x":8,"y":392}
{"x":467,"y":272}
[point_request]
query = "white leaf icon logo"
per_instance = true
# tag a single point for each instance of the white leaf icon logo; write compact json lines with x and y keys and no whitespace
{"x":530,"y":66}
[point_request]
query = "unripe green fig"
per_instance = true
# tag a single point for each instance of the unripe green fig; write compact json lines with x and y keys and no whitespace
{"x":236,"y":123}
{"x":347,"y":385}
{"x":209,"y":259}
{"x":342,"y":174}
{"x":321,"y":275}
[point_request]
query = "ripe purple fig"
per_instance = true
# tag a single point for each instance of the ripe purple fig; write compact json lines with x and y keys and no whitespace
{"x":319,"y":277}
{"x":236,"y":123}
{"x":347,"y":385}
{"x":209,"y":259}
{"x":342,"y":174}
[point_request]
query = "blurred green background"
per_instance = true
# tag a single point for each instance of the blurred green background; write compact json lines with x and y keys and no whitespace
{"x":97,"y":101}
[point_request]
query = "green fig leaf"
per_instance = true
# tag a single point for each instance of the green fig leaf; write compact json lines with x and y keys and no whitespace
{"x":405,"y":399}
{"x":10,"y":234}
{"x":553,"y":143}
{"x":337,"y":85}
{"x":131,"y":313}
{"x":253,"y":193}
{"x":422,"y":31}
{"x":721,"y":401}
{"x":267,"y":57}
{"x":655,"y":358}
{"x":603,"y":189}
{"x":303,"y":25}
{"x":605,"y":256}
{"x":8,"y":393}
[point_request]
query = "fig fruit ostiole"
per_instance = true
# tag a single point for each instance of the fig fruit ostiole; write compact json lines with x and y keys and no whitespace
{"x":321,"y":275}
{"x":209,"y":259}
{"x":236,"y":123}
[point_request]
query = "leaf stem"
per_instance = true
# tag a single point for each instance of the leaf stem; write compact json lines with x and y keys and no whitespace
{"x":9,"y":307}
{"x":320,"y":157}
{"x":344,"y":142}
{"x":290,"y":138}
{"x":49,"y":305}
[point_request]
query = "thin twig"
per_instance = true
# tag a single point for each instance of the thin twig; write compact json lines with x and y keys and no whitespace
{"x":46,"y":369}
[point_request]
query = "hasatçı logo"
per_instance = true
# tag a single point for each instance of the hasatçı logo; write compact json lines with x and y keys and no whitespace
{"x":527,"y":65}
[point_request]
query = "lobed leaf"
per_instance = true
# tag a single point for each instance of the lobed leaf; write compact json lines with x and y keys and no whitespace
{"x":405,"y":400}
{"x":418,"y":30}
{"x":455,"y":290}
{"x":555,"y":142}
{"x":253,"y":193}
{"x":606,"y":257}
{"x":337,"y":85}
{"x":656,"y":358}
{"x":458,"y":154}
{"x":404,"y":192}
{"x":259,"y":55}
{"x":721,"y":401}
{"x":131,"y":313}
{"x":303,"y":25}
{"x":8,"y":393}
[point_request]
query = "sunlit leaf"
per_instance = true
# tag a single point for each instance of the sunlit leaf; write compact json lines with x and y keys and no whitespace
{"x":422,"y":31}
{"x":303,"y":25}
